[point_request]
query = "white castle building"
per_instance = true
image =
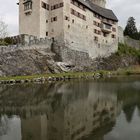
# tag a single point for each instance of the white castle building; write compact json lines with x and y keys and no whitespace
{"x":84,"y":25}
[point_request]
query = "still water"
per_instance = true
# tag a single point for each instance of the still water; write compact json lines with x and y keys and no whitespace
{"x":74,"y":110}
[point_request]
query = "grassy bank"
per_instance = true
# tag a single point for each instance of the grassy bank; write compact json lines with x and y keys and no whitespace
{"x":59,"y":75}
{"x":135,"y":70}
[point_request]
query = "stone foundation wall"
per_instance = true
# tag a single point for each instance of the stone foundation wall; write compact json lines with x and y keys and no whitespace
{"x":132,"y":43}
{"x":66,"y":54}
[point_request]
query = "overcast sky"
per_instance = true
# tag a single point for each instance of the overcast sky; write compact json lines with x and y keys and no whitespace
{"x":122,"y":8}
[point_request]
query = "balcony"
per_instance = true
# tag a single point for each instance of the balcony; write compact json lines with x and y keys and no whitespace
{"x":106,"y":28}
{"x":27,"y":7}
{"x":28,"y":12}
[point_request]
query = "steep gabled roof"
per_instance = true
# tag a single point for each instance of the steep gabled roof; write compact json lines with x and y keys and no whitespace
{"x":107,"y":13}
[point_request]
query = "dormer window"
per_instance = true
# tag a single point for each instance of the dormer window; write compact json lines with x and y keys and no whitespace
{"x":27,"y":5}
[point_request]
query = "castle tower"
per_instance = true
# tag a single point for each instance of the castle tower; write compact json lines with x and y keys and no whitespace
{"x":41,"y":18}
{"x":101,"y":3}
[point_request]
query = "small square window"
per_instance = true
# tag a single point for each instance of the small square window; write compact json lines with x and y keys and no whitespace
{"x":66,"y":18}
{"x":44,"y":5}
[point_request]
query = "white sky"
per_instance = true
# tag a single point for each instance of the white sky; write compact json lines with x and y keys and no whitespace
{"x":122,"y":8}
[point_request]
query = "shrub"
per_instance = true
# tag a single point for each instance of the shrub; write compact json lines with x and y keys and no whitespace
{"x":6,"y":41}
{"x":127,"y":50}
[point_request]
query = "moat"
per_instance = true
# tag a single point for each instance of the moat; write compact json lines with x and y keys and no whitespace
{"x":107,"y":109}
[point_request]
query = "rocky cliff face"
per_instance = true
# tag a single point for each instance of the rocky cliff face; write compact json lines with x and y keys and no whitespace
{"x":43,"y":60}
{"x":27,"y":62}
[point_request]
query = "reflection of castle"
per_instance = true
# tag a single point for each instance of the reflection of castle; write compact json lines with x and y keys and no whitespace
{"x":72,"y":114}
{"x":34,"y":128}
{"x":86,"y":114}
{"x":67,"y":111}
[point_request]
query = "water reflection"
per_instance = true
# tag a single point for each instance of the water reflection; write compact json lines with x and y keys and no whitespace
{"x":10,"y":128}
{"x":86,"y":110}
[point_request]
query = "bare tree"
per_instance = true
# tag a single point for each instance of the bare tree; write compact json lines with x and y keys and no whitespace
{"x":3,"y":29}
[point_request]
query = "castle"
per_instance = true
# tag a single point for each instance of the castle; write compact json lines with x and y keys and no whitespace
{"x":82,"y":25}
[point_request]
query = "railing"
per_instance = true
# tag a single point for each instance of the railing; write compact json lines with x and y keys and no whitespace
{"x":106,"y":28}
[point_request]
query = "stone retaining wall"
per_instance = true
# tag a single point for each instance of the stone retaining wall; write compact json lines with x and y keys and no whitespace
{"x":66,"y":54}
{"x":25,"y":42}
{"x":132,"y":43}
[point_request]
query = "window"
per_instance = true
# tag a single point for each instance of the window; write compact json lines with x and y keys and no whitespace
{"x":72,"y":11}
{"x":66,"y":18}
{"x":96,"y":38}
{"x":53,"y":19}
{"x":96,"y":24}
{"x":107,"y":26}
{"x":27,"y":5}
{"x":75,"y":3}
{"x":78,"y":5}
{"x":72,"y":1}
{"x":56,"y":6}
{"x":84,"y":17}
{"x":114,"y":29}
{"x":46,"y":33}
{"x":73,"y":21}
{"x":113,"y":36}
{"x":105,"y":34}
{"x":46,"y":21}
{"x":97,"y":32}
{"x":113,"y":22}
{"x":79,"y":15}
{"x":48,"y":7}
{"x":44,"y":5}
{"x":61,"y":4}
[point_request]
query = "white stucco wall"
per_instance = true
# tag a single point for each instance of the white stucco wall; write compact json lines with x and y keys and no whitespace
{"x":120,"y":34}
{"x":78,"y":35}
{"x":29,"y":24}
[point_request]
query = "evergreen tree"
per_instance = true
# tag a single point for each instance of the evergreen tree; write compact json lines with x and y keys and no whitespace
{"x":131,"y":29}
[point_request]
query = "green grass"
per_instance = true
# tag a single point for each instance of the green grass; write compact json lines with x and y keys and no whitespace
{"x":72,"y":75}
{"x":128,"y":71}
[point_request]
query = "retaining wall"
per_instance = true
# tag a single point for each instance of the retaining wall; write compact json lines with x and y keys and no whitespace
{"x":132,"y":43}
{"x":24,"y":42}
